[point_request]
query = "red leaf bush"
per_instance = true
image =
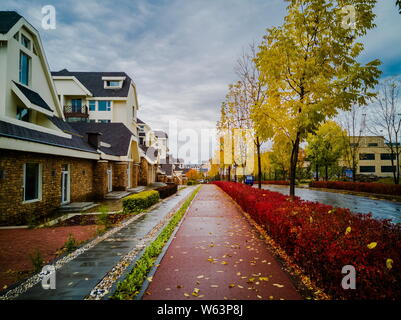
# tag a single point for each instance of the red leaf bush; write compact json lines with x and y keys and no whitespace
{"x":371,"y":187}
{"x":315,"y":236}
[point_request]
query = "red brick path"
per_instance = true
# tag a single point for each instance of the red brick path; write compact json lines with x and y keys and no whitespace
{"x":16,"y":246}
{"x":217,"y":255}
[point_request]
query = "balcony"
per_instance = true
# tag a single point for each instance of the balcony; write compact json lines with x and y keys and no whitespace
{"x":76,"y":111}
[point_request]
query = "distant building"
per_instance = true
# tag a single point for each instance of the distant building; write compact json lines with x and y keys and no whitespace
{"x":374,"y":156}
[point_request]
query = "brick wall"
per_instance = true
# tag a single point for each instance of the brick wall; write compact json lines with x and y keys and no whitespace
{"x":12,"y":208}
{"x":120,"y":178}
{"x":143,"y":172}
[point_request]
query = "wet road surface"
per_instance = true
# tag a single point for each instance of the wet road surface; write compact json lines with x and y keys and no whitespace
{"x":380,"y":209}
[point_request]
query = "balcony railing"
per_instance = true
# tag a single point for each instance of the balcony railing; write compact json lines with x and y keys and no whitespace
{"x":76,"y":111}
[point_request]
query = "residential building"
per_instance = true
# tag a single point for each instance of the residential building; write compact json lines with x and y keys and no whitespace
{"x":97,"y":97}
{"x":46,"y":162}
{"x":374,"y":156}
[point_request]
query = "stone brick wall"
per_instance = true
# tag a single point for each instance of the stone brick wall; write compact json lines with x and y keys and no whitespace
{"x":120,"y":177}
{"x":12,"y":208}
{"x":134,"y":174}
{"x":143,"y":172}
{"x":100,"y":179}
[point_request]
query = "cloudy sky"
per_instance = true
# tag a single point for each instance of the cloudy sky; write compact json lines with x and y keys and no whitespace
{"x":180,"y":53}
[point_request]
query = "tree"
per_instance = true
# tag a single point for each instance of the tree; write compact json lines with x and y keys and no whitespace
{"x":398,"y":2}
{"x":280,"y":156}
{"x":254,"y":93}
{"x":326,"y":147}
{"x":354,"y":125}
{"x":193,"y":174}
{"x":386,"y":120}
{"x":310,"y":67}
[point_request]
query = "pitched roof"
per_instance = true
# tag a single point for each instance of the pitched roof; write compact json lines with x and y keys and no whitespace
{"x":94,"y":83}
{"x":33,"y":96}
{"x":140,"y":121}
{"x":18,"y":132}
{"x":116,"y":134}
{"x":7,"y":20}
{"x":150,"y":152}
{"x":167,"y":168}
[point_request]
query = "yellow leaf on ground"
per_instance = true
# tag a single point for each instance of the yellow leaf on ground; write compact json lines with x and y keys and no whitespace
{"x":263,"y":278}
{"x":231,"y":285}
{"x":348,"y":230}
{"x":278,"y":285}
{"x":372,"y":245}
{"x":389,"y":263}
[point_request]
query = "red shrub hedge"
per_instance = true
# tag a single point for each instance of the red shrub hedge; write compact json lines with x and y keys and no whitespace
{"x":372,"y":187}
{"x":322,"y":239}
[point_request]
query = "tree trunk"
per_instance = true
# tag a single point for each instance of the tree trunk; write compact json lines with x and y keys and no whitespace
{"x":229,"y":174}
{"x":317,"y":172}
{"x":259,"y":163}
{"x":293,"y":165}
{"x":326,"y":173}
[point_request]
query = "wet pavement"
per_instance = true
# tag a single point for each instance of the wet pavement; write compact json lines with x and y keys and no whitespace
{"x":77,"y":278}
{"x":380,"y":209}
{"x":217,"y":255}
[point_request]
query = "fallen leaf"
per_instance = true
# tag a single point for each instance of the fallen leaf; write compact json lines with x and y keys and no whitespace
{"x":231,"y":285}
{"x":389,"y":263}
{"x":200,"y":277}
{"x":278,"y":285}
{"x":214,"y":286}
{"x":372,"y":245}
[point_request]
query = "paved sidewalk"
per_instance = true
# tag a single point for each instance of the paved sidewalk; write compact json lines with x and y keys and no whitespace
{"x":77,"y":278}
{"x":217,"y":255}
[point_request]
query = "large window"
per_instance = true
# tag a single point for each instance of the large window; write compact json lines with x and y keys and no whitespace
{"x":373,"y":144}
{"x":76,"y":105}
{"x":25,"y":42}
{"x":32,"y":182}
{"x":104,"y":105}
{"x":23,"y":114}
{"x":366,"y":169}
{"x":24,"y":65}
{"x":366,"y":156}
{"x":92,"y":105}
{"x":388,"y":168}
{"x":387,"y":156}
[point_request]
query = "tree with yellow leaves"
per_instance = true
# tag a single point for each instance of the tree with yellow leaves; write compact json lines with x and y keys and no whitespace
{"x":309,"y":65}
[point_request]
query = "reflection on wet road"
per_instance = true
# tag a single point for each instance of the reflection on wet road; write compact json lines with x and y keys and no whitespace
{"x":381,"y":209}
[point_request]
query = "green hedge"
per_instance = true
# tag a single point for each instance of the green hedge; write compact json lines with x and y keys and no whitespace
{"x":140,"y":201}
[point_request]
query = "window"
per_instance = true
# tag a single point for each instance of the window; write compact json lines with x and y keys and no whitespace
{"x":367,"y":169}
{"x":388,"y":168}
{"x":32,"y":182}
{"x":387,"y":156}
{"x":366,"y":156}
{"x":113,"y":84}
{"x":24,"y":65}
{"x":141,"y":141}
{"x":373,"y":144}
{"x":92,"y":105}
{"x":76,"y":105}
{"x":104,"y":105}
{"x":92,"y":121}
{"x":23,"y":114}
{"x":104,"y":121}
{"x":25,"y":42}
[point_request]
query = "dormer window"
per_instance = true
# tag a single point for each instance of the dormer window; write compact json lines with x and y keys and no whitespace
{"x":25,"y":42}
{"x":113,"y":82}
{"x":23,"y":114}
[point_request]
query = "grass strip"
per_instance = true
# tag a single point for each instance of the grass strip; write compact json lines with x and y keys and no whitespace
{"x":130,"y":286}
